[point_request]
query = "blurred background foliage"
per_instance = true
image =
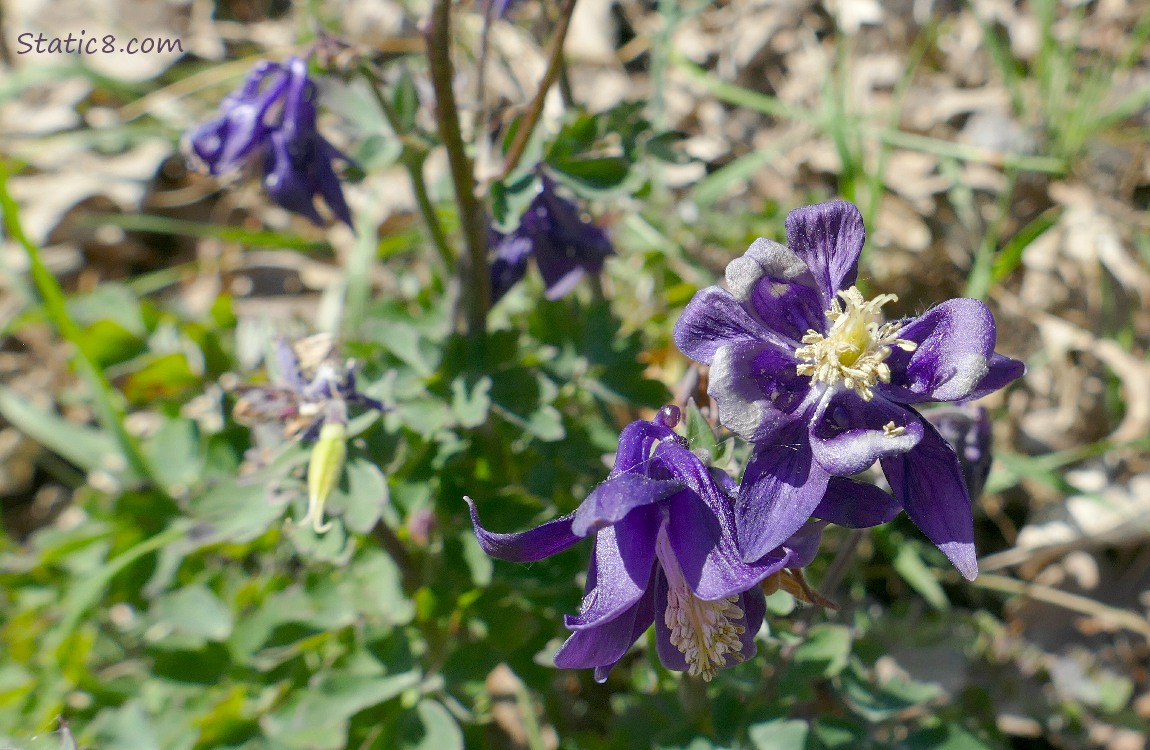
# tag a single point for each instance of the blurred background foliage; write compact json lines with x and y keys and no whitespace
{"x":154,"y":589}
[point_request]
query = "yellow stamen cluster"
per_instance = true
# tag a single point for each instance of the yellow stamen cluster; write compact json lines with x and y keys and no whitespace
{"x":856,"y":346}
{"x":706,"y":633}
{"x":890,"y":429}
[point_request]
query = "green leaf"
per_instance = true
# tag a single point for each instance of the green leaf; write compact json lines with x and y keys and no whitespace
{"x":431,"y":728}
{"x":700,"y":437}
{"x":85,"y":447}
{"x":826,"y":650}
{"x":234,"y":511}
{"x":881,"y":702}
{"x":598,"y":173}
{"x":316,"y":718}
{"x":909,"y":564}
{"x":780,"y":734}
{"x":946,"y":737}
{"x":164,"y":376}
{"x":175,"y":455}
{"x":833,"y":733}
{"x":471,"y":408}
{"x":109,"y":302}
{"x":361,"y":497}
{"x":194,"y":611}
{"x":376,"y":585}
{"x":478,"y":562}
{"x":127,"y":728}
{"x":405,"y":101}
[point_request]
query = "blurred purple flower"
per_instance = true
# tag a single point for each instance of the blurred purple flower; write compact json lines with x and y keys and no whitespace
{"x":304,"y":395}
{"x":967,"y":429}
{"x":270,"y":121}
{"x":664,"y":553}
{"x":497,"y":8}
{"x":509,"y":261}
{"x":806,"y":368}
{"x":552,"y":230}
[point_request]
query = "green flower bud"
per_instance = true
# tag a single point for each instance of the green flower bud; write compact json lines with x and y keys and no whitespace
{"x":323,"y":472}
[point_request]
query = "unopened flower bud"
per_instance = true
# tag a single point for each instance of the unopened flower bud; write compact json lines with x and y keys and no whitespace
{"x":323,"y":472}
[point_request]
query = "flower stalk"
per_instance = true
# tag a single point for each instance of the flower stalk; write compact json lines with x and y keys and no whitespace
{"x":474,"y":283}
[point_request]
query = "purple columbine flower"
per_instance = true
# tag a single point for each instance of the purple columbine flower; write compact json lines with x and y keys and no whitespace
{"x":664,"y":554}
{"x":552,"y":230}
{"x":270,"y":121}
{"x":806,"y":368}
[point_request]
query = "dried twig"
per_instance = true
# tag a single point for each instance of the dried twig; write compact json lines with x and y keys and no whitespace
{"x":550,"y":75}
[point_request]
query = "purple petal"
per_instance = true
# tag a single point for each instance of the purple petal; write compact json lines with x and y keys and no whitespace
{"x":803,"y":545}
{"x":714,"y":319}
{"x":701,"y":532}
{"x":928,"y":482}
{"x":613,"y":499}
{"x":623,"y":557}
{"x":671,"y":657}
{"x":779,"y":287}
{"x":849,"y":434}
{"x":604,"y":645}
{"x":754,"y":606}
{"x":793,"y":308}
{"x":636,"y":442}
{"x":285,"y":175}
{"x":955,"y":344}
{"x":227,"y":142}
{"x":509,"y":264}
{"x":828,"y":237}
{"x":782,"y":485}
{"x":287,"y":364}
{"x":330,"y":187}
{"x":1003,"y":371}
{"x":566,"y":246}
{"x":856,"y":505}
{"x":527,"y":546}
{"x":967,"y":429}
{"x":299,"y":161}
{"x":756,"y":389}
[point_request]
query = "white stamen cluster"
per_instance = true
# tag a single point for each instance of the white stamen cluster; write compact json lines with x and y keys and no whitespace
{"x":856,"y":346}
{"x":706,"y":633}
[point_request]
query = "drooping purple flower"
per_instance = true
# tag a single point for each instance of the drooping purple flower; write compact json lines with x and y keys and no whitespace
{"x":806,"y":368}
{"x":270,"y":122}
{"x":664,"y":553}
{"x":565,"y":247}
{"x":239,"y":133}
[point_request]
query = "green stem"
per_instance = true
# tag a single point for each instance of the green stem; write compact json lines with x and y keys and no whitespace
{"x":412,"y":160}
{"x":474,"y":282}
{"x":535,"y":106}
{"x":107,"y":411}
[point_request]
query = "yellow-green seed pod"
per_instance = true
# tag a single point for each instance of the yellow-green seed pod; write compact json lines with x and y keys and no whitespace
{"x":323,"y":472}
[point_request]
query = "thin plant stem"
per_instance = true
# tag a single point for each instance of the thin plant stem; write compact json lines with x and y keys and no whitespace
{"x":474,"y":282}
{"x":1112,"y":616}
{"x":107,"y":411}
{"x":535,"y":107}
{"x":842,"y":559}
{"x":412,"y":160}
{"x":398,"y":552}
